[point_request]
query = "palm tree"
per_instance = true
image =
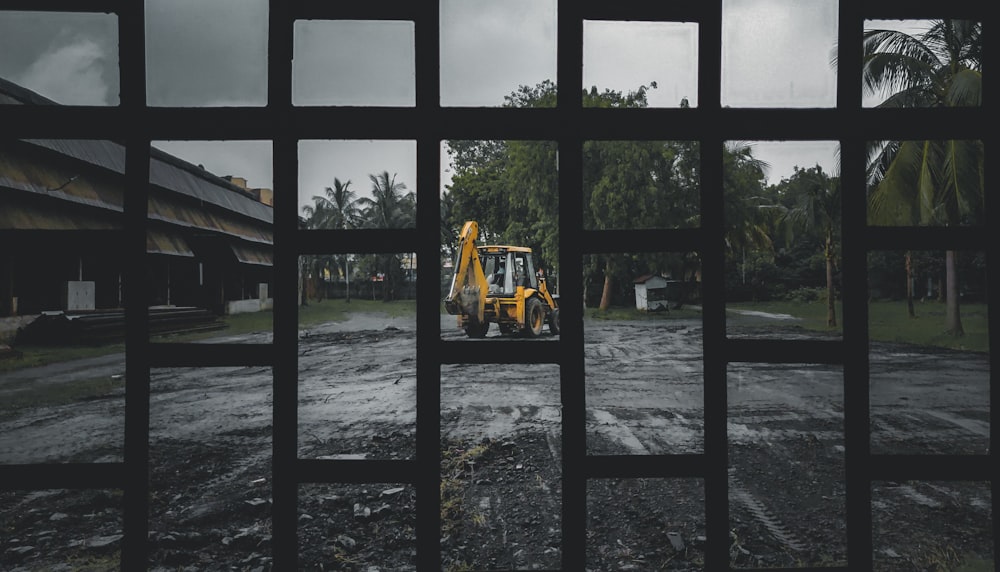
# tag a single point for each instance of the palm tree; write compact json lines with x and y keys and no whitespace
{"x":927,"y":182}
{"x":339,"y":211}
{"x":314,"y":216}
{"x":389,"y":207}
{"x":750,"y":216}
{"x":817,"y":208}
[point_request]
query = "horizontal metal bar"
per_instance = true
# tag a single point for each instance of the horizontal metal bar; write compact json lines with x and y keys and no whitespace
{"x":926,"y":238}
{"x":785,"y":351}
{"x":505,"y":351}
{"x":645,"y":466}
{"x":63,"y":476}
{"x":369,"y":10}
{"x":930,"y":468}
{"x":359,"y":241}
{"x":235,"y":123}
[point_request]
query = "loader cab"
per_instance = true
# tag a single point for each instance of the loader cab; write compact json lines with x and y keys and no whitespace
{"x":506,"y":268}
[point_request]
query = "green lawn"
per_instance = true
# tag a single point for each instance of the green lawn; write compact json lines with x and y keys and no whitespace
{"x":888,"y":322}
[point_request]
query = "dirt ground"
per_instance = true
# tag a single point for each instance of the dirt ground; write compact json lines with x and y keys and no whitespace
{"x":210,"y":447}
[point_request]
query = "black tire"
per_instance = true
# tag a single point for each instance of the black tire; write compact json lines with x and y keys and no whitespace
{"x":476,"y":329}
{"x":554,"y":322}
{"x":534,"y":317}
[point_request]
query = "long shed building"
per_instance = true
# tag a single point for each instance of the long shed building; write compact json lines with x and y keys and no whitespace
{"x":209,"y":239}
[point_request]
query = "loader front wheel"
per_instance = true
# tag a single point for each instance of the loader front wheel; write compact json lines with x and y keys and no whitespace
{"x":534,"y":317}
{"x":554,"y":322}
{"x":476,"y":329}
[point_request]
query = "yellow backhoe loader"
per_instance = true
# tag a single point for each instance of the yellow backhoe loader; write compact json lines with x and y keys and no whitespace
{"x":499,"y":284}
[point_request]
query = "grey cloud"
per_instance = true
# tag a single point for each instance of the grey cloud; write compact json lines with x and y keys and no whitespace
{"x":206,"y":53}
{"x":490,"y":48}
{"x":354,"y":63}
{"x":69,"y":58}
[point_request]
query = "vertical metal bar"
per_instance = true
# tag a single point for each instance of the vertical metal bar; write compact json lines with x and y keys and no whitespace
{"x":428,"y":98}
{"x":855,"y":295}
{"x":428,"y":357}
{"x":136,"y":510}
{"x":569,"y":65}
{"x":285,"y":370}
{"x":285,"y":339}
{"x":131,"y":26}
{"x":571,"y":361}
{"x":713,"y":293}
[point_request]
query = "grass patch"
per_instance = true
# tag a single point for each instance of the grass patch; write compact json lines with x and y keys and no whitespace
{"x":32,"y":394}
{"x":887,"y":322}
{"x":811,"y":315}
{"x":975,"y":564}
{"x":32,"y":356}
{"x":96,"y":563}
{"x":458,"y":463}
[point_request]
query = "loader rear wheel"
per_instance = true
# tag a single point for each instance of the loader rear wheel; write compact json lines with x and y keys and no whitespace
{"x":477,"y":330}
{"x":554,"y":322}
{"x":534,"y":317}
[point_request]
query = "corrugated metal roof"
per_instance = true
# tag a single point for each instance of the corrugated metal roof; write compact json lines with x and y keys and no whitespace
{"x":249,"y":254}
{"x":176,"y":183}
{"x":160,"y":209}
{"x":218,"y":192}
{"x":176,"y":212}
{"x":161,"y":242}
{"x":12,"y":93}
{"x":103,"y":153}
{"x":165,"y":171}
{"x":58,"y":182}
{"x":34,"y":217}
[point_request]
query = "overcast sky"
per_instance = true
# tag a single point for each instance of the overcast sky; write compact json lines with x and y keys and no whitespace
{"x":776,"y":53}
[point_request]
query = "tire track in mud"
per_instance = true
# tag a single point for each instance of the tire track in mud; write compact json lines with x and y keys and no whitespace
{"x":615,"y":429}
{"x":612,"y":427}
{"x":738,"y":492}
{"x":481,"y":421}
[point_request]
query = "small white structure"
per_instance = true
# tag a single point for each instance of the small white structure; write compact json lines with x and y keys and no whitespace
{"x":78,"y":295}
{"x":651,"y":292}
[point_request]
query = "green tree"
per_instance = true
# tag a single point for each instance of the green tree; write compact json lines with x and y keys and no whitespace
{"x":315,"y":216}
{"x":752,"y":213}
{"x":511,"y":187}
{"x":338,"y":209}
{"x":628,"y":185}
{"x":815,"y":209}
{"x":390,"y":206}
{"x":927,"y":182}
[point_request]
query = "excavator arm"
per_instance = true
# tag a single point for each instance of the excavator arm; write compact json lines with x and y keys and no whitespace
{"x":468,"y":285}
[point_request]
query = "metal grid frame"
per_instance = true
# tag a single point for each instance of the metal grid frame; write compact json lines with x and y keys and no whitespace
{"x":569,"y":124}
